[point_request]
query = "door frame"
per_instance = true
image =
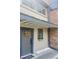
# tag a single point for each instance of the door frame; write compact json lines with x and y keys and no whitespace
{"x":32,"y":34}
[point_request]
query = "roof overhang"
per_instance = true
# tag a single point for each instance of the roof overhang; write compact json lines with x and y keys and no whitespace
{"x":28,"y":21}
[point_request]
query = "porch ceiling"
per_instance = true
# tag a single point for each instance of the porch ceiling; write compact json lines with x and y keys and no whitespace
{"x":28,"y":21}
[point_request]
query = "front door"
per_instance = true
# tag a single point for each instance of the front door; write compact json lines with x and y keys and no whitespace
{"x":26,"y":41}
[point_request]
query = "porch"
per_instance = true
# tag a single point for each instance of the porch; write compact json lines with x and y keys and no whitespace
{"x":40,"y":47}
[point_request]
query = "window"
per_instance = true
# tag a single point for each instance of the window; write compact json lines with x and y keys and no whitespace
{"x":40,"y":34}
{"x":40,"y":8}
{"x":43,"y":11}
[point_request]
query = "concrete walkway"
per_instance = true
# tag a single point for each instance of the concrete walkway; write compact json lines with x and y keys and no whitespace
{"x":49,"y":54}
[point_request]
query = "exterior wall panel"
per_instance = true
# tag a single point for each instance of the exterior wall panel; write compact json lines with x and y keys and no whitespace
{"x":54,"y":38}
{"x":54,"y":17}
{"x":28,"y":11}
{"x":54,"y":31}
{"x":42,"y":44}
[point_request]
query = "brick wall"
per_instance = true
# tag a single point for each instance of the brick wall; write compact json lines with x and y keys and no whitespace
{"x":54,"y":38}
{"x":54,"y":16}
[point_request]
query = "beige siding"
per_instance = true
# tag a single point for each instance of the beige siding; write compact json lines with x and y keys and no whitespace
{"x":42,"y":44}
{"x":31,"y":12}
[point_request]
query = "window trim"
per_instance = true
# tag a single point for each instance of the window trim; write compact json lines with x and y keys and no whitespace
{"x":40,"y":34}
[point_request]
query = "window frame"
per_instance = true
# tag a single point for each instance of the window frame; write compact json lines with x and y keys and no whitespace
{"x":40,"y":34}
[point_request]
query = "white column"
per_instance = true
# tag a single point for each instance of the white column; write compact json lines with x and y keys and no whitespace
{"x":35,"y":40}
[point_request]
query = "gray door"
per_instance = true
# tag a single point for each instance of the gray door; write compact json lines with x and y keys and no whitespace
{"x":26,"y":41}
